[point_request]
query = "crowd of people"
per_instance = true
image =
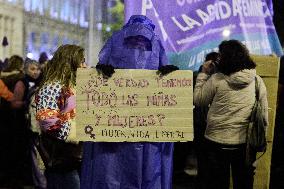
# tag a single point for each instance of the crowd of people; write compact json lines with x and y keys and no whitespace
{"x":19,"y":80}
{"x":37,"y":110}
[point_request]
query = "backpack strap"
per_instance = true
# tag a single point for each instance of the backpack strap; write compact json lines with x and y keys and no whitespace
{"x":256,"y":88}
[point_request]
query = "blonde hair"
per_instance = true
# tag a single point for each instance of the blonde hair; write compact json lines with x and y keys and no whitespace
{"x":63,"y":65}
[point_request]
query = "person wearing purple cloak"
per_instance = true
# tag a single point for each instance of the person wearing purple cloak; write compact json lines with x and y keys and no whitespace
{"x":135,"y":165}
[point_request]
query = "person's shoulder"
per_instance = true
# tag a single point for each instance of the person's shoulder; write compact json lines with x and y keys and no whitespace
{"x":218,"y":76}
{"x":20,"y":83}
{"x":51,"y":88}
{"x":7,"y":74}
{"x":14,"y":75}
{"x":117,"y":34}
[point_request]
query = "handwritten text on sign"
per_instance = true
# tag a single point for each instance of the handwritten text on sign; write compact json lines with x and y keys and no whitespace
{"x":134,"y":105}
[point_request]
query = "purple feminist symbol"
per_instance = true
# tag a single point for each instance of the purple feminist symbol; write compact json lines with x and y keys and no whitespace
{"x":89,"y":130}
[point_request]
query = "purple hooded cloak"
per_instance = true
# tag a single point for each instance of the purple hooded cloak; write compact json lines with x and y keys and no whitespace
{"x":139,"y":165}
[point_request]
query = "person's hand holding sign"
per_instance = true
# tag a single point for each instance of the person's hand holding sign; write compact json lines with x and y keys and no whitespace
{"x":105,"y":69}
{"x":164,"y":70}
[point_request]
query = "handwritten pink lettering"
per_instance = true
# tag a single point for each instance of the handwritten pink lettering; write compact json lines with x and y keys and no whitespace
{"x":176,"y":82}
{"x":130,"y":100}
{"x":136,"y":121}
{"x":130,"y":82}
{"x":97,"y":81}
{"x":100,"y":99}
{"x":161,"y":99}
{"x":113,"y":133}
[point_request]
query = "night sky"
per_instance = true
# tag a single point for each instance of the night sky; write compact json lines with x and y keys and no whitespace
{"x":279,"y":18}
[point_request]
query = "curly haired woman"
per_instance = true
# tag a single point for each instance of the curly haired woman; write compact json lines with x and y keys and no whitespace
{"x":231,"y":96}
{"x":55,"y":106}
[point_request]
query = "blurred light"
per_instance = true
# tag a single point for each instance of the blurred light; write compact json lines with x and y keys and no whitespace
{"x":30,"y":55}
{"x":108,"y":28}
{"x":226,"y":33}
{"x":111,"y":3}
{"x":99,"y":26}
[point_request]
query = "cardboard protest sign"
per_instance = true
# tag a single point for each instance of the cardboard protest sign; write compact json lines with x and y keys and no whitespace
{"x":134,"y":105}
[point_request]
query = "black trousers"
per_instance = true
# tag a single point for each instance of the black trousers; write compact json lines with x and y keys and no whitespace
{"x":223,"y":158}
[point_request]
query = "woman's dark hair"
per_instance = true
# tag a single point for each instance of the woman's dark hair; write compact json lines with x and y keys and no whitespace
{"x":15,"y":63}
{"x":234,"y":57}
{"x":42,"y":58}
{"x":213,"y":56}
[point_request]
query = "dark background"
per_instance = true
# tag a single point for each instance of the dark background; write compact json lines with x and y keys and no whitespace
{"x":279,"y":19}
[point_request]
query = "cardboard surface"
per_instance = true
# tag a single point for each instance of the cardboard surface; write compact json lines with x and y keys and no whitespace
{"x":134,"y":105}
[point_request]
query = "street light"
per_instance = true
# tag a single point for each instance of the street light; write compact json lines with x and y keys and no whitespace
{"x":226,"y":33}
{"x":30,"y":55}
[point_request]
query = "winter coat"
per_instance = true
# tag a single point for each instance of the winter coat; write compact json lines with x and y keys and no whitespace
{"x":231,"y":100}
{"x":4,"y":91}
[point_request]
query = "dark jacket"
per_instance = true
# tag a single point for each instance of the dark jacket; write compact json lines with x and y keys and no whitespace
{"x":58,"y":155}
